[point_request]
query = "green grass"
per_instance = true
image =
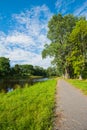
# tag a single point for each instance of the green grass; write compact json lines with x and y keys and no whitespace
{"x":81,"y":84}
{"x":30,"y":108}
{"x":35,"y":77}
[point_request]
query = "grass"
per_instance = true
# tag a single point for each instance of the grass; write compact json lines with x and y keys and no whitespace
{"x":35,"y":77}
{"x":80,"y":84}
{"x":30,"y":108}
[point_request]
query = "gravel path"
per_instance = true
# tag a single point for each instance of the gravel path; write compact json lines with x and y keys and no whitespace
{"x":71,"y":108}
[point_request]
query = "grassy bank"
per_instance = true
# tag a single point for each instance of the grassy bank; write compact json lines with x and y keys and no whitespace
{"x":30,"y":108}
{"x":81,"y":84}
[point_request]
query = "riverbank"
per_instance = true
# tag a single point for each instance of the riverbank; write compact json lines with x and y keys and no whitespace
{"x":12,"y":83}
{"x":30,"y":108}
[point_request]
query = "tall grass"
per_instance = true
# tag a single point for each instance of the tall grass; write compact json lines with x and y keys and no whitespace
{"x":81,"y":84}
{"x":30,"y":108}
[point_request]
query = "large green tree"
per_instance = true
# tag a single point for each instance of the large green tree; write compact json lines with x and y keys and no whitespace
{"x":60,"y":28}
{"x":78,"y":54}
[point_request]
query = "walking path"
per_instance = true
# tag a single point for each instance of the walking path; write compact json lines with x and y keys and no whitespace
{"x":71,"y":108}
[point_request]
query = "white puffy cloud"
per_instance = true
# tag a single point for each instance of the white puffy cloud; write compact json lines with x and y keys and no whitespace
{"x":19,"y":39}
{"x":26,"y":57}
{"x":25,"y":41}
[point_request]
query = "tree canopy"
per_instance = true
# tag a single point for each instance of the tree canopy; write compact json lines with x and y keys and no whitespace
{"x":78,"y":54}
{"x":68,"y":36}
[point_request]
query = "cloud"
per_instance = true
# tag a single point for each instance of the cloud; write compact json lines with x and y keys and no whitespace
{"x":64,"y":6}
{"x":78,"y":8}
{"x":25,"y":41}
{"x":82,"y":10}
{"x":26,"y":57}
{"x":18,"y":39}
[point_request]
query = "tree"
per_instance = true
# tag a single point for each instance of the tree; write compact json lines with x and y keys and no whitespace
{"x":78,"y":54}
{"x":22,"y":71}
{"x":51,"y":71}
{"x":27,"y":69}
{"x":4,"y":67}
{"x":39,"y":71}
{"x":16,"y":71}
{"x":60,"y":28}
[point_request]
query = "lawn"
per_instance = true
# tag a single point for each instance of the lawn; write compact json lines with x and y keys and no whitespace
{"x":29,"y":108}
{"x":81,"y":84}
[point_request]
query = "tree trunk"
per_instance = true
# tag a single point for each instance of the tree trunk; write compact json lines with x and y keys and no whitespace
{"x":80,"y":77}
{"x":67,"y":76}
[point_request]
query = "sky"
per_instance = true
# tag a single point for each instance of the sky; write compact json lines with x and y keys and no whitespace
{"x":23,"y":27}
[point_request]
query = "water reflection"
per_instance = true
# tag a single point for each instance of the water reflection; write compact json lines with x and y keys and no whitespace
{"x":40,"y":80}
{"x":10,"y":85}
{"x":10,"y":89}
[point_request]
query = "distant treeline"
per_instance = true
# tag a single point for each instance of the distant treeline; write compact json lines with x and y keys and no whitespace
{"x":23,"y":71}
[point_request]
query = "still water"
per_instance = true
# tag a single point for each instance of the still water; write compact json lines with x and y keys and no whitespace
{"x":10,"y":85}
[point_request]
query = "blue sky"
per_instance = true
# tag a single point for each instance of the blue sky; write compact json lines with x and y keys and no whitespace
{"x":23,"y":27}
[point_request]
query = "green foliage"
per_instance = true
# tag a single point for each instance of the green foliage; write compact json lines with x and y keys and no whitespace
{"x":80,"y":84}
{"x":60,"y":28}
{"x":4,"y":66}
{"x":52,"y":71}
{"x":27,"y":70}
{"x":78,"y":53}
{"x":40,"y":71}
{"x":22,"y":70}
{"x":68,"y":47}
{"x":30,"y":108}
{"x":19,"y":71}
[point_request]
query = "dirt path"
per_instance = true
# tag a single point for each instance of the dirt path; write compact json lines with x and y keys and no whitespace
{"x":71,"y":109}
